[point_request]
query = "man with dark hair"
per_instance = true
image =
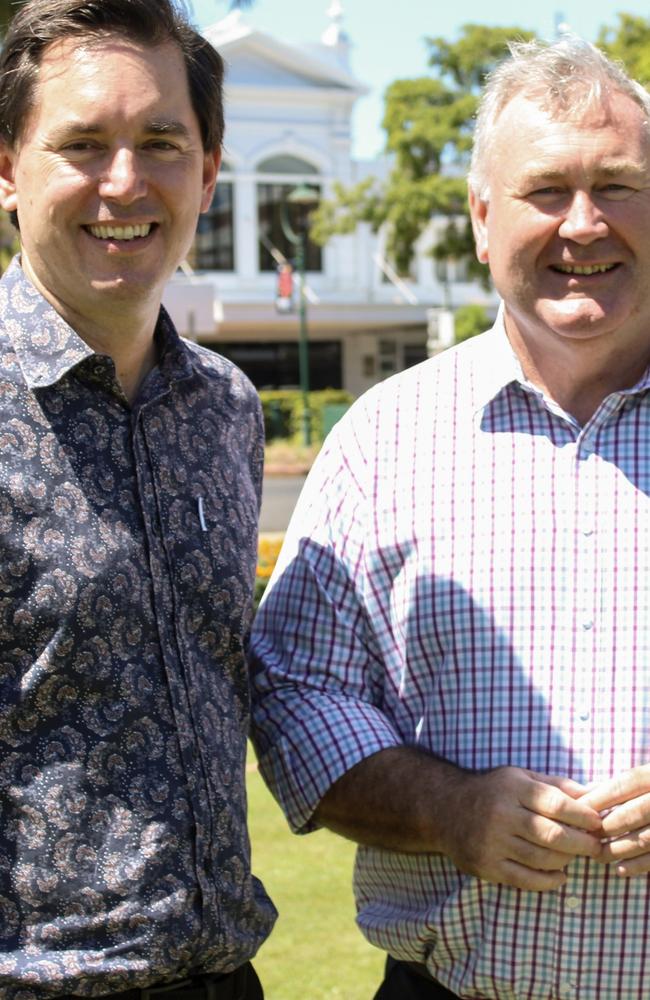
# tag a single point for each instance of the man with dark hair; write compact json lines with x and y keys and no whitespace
{"x":130,"y":475}
{"x":454,"y":653}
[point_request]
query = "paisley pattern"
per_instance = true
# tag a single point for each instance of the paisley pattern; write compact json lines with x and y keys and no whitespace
{"x":127,"y":558}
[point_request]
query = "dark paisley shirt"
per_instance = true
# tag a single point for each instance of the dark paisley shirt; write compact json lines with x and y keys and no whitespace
{"x":127,"y":556}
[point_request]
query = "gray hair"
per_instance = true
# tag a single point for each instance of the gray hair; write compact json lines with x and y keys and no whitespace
{"x":567,"y":78}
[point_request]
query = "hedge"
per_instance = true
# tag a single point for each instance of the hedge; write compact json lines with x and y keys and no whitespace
{"x":469,"y":321}
{"x":283,"y":411}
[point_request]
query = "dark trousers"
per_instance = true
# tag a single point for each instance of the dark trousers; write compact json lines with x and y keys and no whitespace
{"x":242,"y":984}
{"x":404,"y":981}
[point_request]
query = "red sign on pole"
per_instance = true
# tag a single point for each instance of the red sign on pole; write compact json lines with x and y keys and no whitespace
{"x":284,"y":293}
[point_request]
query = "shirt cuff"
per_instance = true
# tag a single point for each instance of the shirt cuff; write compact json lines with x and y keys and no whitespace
{"x":323,"y":737}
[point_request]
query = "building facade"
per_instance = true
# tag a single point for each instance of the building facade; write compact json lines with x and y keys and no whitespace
{"x":288,"y":113}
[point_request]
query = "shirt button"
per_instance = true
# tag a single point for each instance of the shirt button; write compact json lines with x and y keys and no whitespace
{"x":567,"y":989}
{"x":572,"y":903}
{"x":587,"y":532}
{"x":584,"y":716}
{"x":587,"y":625}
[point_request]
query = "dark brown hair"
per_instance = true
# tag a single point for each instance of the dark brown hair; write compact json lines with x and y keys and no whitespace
{"x":39,"y":23}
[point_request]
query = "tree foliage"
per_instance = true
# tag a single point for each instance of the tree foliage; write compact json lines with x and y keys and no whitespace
{"x":469,"y":321}
{"x":428,"y":123}
{"x":7,"y":10}
{"x":629,"y":42}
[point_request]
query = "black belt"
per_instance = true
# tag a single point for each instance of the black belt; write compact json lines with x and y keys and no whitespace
{"x":231,"y":986}
{"x":423,"y":972}
{"x":439,"y":992}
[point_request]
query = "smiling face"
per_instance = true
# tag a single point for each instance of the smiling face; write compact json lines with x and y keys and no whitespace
{"x":109,"y":175}
{"x":565,"y":229}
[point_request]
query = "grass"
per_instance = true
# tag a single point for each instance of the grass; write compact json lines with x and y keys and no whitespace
{"x":285,"y":451}
{"x":316,"y":951}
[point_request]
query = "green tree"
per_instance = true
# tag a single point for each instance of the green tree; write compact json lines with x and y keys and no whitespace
{"x":629,"y":42}
{"x":469,"y":321}
{"x":7,"y":10}
{"x":428,"y":123}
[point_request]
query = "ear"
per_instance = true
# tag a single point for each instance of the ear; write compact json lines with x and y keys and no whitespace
{"x":8,"y":197}
{"x":478,"y":210}
{"x":211,"y":164}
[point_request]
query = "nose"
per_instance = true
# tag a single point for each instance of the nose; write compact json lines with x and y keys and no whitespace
{"x":583,"y":221}
{"x":123,"y":180}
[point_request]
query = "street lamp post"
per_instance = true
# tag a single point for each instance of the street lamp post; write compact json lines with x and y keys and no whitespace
{"x":305,"y":198}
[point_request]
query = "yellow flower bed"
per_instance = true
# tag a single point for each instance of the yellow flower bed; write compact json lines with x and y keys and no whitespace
{"x":268,"y":551}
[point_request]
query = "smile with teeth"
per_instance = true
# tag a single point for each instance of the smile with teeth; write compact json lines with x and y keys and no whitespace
{"x":105,"y":232}
{"x":584,"y":269}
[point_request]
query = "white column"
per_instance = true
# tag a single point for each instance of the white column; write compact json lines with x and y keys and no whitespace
{"x":246,"y":241}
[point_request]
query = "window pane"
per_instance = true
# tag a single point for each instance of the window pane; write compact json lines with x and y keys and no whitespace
{"x":214,"y":245}
{"x":285,"y":165}
{"x":270,"y":199}
{"x":414,"y":354}
{"x":275,"y":365}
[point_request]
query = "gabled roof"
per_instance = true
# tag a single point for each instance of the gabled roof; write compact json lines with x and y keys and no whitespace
{"x":262,"y":59}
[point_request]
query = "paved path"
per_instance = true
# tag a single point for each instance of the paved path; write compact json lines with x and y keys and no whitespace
{"x":278,"y":500}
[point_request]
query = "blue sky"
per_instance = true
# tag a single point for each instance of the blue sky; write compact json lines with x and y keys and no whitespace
{"x":388,"y":37}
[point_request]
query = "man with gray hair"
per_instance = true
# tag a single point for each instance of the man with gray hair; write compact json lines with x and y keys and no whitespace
{"x":453,"y":660}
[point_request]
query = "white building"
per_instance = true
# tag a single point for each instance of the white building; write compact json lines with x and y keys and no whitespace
{"x":288,"y":112}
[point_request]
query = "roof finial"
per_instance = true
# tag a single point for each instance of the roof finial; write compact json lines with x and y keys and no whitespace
{"x":334,"y":34}
{"x":562,"y":27}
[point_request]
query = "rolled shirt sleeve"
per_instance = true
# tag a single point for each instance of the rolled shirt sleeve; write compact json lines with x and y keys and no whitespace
{"x":318,"y":678}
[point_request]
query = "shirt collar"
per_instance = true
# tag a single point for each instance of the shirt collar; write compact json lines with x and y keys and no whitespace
{"x":497,"y":367}
{"x":47,"y":347}
{"x":175,"y":358}
{"x":641,"y":386}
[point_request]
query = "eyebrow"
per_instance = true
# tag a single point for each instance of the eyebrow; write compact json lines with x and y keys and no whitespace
{"x":168,"y":128}
{"x":155,"y":127}
{"x":625,"y":167}
{"x":604,"y":171}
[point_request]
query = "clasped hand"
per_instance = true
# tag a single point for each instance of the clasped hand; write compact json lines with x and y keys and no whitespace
{"x":517,"y":827}
{"x":624,"y":805}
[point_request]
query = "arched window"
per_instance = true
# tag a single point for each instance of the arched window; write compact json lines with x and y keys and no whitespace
{"x":284,"y":164}
{"x":214,"y":245}
{"x":284,"y":173}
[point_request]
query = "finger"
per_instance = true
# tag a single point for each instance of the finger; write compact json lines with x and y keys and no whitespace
{"x":634,"y":866}
{"x":632,"y":845}
{"x":532,"y":880}
{"x":538,"y":858}
{"x":572,"y":788}
{"x":616,"y":790}
{"x":632,"y":815}
{"x":559,"y":838}
{"x":546,"y":799}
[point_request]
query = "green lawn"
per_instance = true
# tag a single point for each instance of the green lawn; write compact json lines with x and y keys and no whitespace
{"x":316,"y":951}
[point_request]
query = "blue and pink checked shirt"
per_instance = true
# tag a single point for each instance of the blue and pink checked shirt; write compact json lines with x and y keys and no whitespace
{"x":468,"y":570}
